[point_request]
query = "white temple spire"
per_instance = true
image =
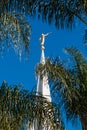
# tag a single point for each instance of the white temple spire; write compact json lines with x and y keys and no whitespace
{"x":42,"y":85}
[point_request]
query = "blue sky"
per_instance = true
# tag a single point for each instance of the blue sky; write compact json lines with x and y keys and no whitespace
{"x":22,"y":72}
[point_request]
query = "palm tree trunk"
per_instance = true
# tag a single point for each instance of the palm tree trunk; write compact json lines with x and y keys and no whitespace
{"x":84,"y":121}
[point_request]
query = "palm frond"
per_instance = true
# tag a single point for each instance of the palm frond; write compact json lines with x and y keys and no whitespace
{"x":15,"y":32}
{"x":60,"y":13}
{"x":70,"y":83}
{"x":20,"y":107}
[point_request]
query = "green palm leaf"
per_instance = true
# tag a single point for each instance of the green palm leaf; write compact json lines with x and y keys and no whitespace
{"x":15,"y":32}
{"x":70,"y":83}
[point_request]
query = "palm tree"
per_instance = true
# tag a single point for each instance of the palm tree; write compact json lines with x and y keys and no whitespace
{"x":70,"y":81}
{"x":20,"y":107}
{"x":61,"y":13}
{"x":15,"y":31}
{"x":13,"y":112}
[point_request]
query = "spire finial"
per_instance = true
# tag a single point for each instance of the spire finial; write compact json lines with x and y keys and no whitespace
{"x":42,"y":39}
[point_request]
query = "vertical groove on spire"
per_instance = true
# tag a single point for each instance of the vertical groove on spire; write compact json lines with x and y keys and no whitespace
{"x":42,"y":57}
